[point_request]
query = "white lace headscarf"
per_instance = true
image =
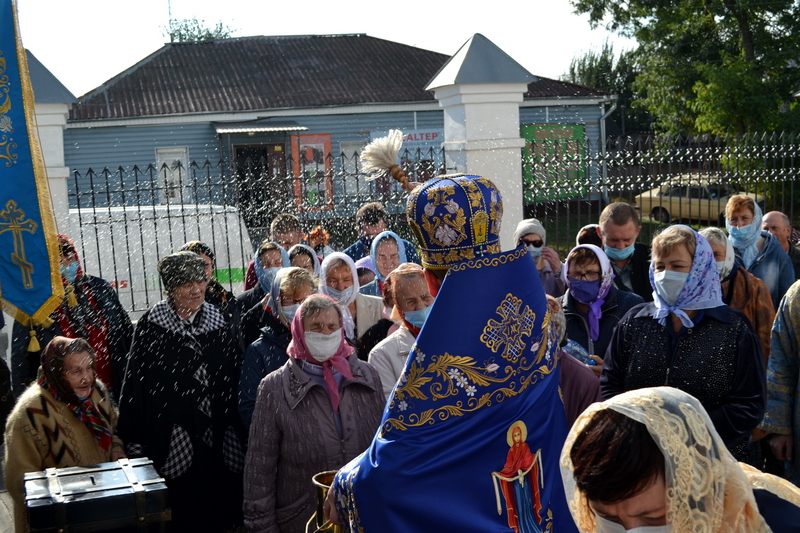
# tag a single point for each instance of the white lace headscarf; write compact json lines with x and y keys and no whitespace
{"x":707,"y":490}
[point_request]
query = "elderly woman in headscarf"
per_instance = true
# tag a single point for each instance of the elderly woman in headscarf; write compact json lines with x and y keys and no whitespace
{"x":592,"y":304}
{"x":216,"y":294}
{"x":742,"y":290}
{"x":316,"y":413}
{"x":340,"y":281}
{"x":532,"y":234}
{"x":178,"y":400}
{"x":303,"y":256}
{"x":756,"y":249}
{"x":91,"y":310}
{"x":689,"y":339}
{"x":652,"y":460}
{"x":65,"y":419}
{"x":388,"y":251}
{"x":269,"y":257}
{"x":412,"y":303}
{"x":267,"y":352}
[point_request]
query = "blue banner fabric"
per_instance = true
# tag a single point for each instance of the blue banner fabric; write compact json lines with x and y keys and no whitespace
{"x":472,"y":434}
{"x":29,"y":272}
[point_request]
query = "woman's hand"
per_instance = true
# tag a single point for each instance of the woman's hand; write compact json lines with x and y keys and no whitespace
{"x":329,"y":510}
{"x":598,"y":368}
{"x":551,"y":256}
{"x":117,"y":455}
{"x":781,"y":447}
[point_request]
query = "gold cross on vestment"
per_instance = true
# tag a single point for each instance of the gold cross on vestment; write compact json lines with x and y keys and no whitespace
{"x":17,"y":224}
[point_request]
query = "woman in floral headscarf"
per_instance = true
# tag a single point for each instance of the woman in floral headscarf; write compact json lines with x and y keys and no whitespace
{"x":651,"y":460}
{"x":689,"y":339}
{"x":315,"y":413}
{"x":64,"y":419}
{"x":592,"y":305}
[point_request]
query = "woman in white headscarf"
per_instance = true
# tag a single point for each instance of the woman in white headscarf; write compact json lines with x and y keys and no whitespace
{"x":304,"y":256}
{"x":740,"y":289}
{"x":651,"y":460}
{"x":339,"y":280}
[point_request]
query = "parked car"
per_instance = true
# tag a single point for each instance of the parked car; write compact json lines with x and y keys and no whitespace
{"x":693,"y":199}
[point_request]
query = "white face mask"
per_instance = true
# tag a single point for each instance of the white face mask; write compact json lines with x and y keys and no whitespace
{"x":321,"y":346}
{"x":669,"y":284}
{"x":607,"y":526}
{"x":342,"y":297}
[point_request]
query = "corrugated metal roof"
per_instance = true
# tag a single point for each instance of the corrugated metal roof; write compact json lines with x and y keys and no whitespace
{"x":263,"y":73}
{"x":253,"y":126}
{"x":547,"y":88}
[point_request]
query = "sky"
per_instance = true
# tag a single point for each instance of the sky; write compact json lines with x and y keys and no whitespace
{"x":87,"y":42}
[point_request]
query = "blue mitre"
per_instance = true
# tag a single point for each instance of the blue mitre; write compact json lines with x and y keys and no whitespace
{"x":471,"y":435}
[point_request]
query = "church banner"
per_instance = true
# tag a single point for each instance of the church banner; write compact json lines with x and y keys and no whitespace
{"x":30,"y":281}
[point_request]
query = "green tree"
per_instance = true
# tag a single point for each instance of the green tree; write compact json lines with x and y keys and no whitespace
{"x":720,"y":66}
{"x":605,"y":71}
{"x":187,"y":30}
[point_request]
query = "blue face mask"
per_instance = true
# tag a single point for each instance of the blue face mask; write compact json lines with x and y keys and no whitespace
{"x":266,"y":278}
{"x":341,"y":297}
{"x":669,"y":284}
{"x":619,"y":255}
{"x":417,"y":318}
{"x":743,"y":233}
{"x":536,"y":253}
{"x":70,"y":272}
{"x":289,"y":311}
{"x":584,"y":291}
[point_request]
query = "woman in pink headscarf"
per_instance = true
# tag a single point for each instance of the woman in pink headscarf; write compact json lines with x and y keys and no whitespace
{"x":315,"y":413}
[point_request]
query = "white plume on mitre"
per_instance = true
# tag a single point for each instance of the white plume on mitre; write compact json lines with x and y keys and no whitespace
{"x":381,"y":154}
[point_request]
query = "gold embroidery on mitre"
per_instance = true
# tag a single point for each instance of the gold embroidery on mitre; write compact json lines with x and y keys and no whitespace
{"x":448,"y":229}
{"x":506,"y":334}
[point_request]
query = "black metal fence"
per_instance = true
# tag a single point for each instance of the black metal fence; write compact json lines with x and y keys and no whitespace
{"x":127,"y":218}
{"x":124,"y":219}
{"x":669,"y":179}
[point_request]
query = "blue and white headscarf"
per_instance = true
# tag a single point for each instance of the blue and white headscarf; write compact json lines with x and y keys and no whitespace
{"x":314,"y":258}
{"x":701,"y":291}
{"x":265,"y":276}
{"x":401,"y":249}
{"x":748,"y":247}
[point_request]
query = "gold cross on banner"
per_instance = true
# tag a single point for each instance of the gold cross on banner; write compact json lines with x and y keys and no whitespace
{"x":17,"y":224}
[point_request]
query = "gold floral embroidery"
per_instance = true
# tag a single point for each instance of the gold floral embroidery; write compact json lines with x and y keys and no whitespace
{"x":491,"y":261}
{"x":466,"y":383}
{"x":514,"y":323}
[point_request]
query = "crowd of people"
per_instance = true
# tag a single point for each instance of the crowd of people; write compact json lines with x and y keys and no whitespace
{"x":239,"y":399}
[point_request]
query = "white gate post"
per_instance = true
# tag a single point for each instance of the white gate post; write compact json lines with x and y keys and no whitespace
{"x":480,"y":89}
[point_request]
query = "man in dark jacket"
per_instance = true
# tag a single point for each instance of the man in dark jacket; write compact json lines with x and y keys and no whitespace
{"x":370,"y":222}
{"x":619,"y":227}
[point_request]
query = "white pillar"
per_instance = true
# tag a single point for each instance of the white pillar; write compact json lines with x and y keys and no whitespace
{"x":51,"y":120}
{"x":482,"y":136}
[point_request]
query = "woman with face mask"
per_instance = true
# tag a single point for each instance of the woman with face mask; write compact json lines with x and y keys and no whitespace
{"x":316,"y":413}
{"x":91,"y":310}
{"x":689,"y":339}
{"x":269,"y":257}
{"x":532,"y":234}
{"x":664,"y":468}
{"x":267,"y":352}
{"x":757,"y":249}
{"x":412,"y":303}
{"x":592,"y":304}
{"x":340,"y":281}
{"x":742,"y":290}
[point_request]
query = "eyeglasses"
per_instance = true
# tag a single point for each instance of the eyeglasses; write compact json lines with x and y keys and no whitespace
{"x":535,"y":244}
{"x":585,"y":276}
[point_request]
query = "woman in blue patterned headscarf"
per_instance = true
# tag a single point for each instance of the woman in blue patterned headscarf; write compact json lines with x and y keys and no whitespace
{"x":689,"y":339}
